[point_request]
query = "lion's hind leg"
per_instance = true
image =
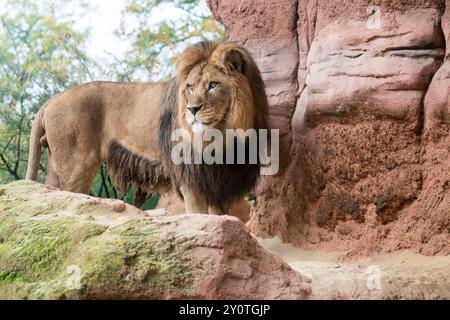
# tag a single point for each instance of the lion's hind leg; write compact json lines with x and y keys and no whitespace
{"x":52,"y":178}
{"x":75,"y":171}
{"x":80,"y":179}
{"x":74,"y":152}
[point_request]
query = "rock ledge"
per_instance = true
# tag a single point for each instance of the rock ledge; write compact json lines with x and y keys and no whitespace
{"x":62,"y":245}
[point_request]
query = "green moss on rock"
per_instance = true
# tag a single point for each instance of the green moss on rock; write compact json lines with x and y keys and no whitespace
{"x":53,"y":247}
{"x":9,"y":276}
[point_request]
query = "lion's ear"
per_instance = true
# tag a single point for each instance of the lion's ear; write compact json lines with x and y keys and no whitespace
{"x":234,"y":61}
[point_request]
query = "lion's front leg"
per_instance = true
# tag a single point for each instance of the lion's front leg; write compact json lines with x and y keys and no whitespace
{"x":139,"y":198}
{"x":194,"y":202}
{"x":217,"y":210}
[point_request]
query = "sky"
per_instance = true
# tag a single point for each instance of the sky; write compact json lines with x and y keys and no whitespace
{"x":103,"y":23}
{"x":106,"y":19}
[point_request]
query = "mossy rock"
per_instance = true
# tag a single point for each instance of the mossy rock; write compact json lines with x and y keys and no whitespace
{"x":56,"y":245}
{"x":62,"y":245}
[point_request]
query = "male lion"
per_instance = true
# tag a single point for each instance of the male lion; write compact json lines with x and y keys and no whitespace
{"x":129,"y":126}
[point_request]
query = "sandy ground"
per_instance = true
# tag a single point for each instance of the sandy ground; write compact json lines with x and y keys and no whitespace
{"x":401,"y":275}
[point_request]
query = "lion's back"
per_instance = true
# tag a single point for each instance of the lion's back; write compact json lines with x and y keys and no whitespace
{"x":100,"y":112}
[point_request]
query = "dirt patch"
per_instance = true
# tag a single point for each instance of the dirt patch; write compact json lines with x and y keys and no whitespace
{"x":399,"y":275}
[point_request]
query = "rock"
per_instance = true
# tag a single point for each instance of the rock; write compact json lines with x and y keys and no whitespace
{"x":268,"y":31}
{"x":400,"y":275}
{"x":174,"y":204}
{"x":360,"y":93}
{"x":61,"y":245}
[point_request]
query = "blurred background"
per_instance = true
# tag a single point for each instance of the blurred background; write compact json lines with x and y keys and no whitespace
{"x":49,"y":46}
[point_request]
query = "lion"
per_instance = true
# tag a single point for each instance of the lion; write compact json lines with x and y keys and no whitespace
{"x":128,"y":127}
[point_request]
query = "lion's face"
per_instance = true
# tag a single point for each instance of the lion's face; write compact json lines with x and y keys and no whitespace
{"x":215,"y":89}
{"x":207,"y":94}
{"x":217,"y":85}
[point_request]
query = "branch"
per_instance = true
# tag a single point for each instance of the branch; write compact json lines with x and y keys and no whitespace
{"x":19,"y":127}
{"x":116,"y":196}
{"x":8,"y":168}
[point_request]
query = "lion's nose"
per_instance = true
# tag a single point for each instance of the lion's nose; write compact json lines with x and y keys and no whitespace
{"x":194,"y":109}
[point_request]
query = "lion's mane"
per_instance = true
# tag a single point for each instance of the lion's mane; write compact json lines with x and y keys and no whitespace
{"x":220,"y":183}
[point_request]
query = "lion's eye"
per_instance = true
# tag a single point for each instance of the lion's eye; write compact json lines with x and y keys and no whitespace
{"x":189,"y":87}
{"x":212,"y":85}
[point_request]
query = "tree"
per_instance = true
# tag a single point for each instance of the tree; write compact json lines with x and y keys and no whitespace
{"x":159,"y":30}
{"x":40,"y":55}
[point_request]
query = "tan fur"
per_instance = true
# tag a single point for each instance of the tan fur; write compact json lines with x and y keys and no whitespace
{"x":81,"y":124}
{"x":236,"y":108}
{"x":118,"y":124}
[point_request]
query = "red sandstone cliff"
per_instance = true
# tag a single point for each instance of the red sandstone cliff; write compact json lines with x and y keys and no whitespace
{"x":360,"y":93}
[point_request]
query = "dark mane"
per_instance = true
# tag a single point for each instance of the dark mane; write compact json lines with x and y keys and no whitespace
{"x":127,"y":169}
{"x":220,"y":183}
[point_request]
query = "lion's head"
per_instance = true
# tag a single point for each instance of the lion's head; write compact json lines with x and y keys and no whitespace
{"x":217,"y":85}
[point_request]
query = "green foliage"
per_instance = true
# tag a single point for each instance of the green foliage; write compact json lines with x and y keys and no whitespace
{"x":102,"y":187}
{"x":43,"y":52}
{"x":155,"y":41}
{"x":40,"y":55}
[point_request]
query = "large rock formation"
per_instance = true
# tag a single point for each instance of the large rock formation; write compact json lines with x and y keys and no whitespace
{"x":57,"y":245}
{"x":359,"y":90}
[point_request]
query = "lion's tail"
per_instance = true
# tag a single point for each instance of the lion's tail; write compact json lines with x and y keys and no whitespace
{"x":34,"y":155}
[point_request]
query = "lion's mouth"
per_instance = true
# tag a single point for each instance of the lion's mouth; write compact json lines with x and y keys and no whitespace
{"x":198,"y":125}
{"x":193,"y":120}
{"x":203,"y":123}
